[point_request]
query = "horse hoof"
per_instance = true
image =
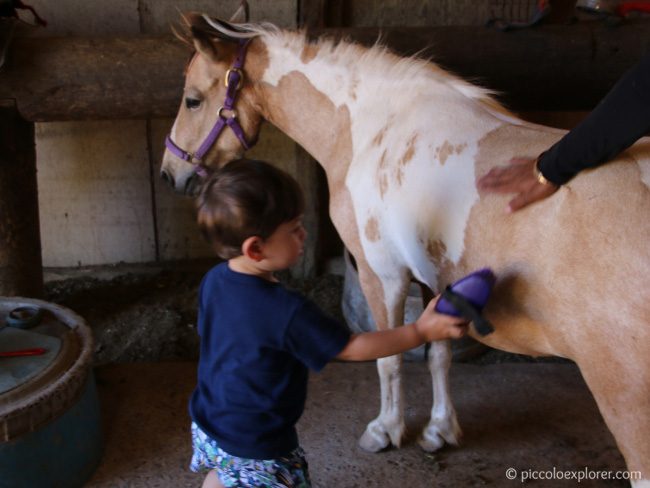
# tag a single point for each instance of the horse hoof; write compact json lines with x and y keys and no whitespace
{"x":431,"y":443}
{"x":374,"y":439}
{"x":435,"y":436}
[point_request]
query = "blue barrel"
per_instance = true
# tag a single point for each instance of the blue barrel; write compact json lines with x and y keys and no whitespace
{"x":50,"y":426}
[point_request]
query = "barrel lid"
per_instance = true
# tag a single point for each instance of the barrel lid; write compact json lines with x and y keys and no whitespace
{"x":16,"y":370}
{"x":36,"y":389}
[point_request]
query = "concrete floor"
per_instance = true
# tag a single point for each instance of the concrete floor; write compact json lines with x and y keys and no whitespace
{"x":525,"y":416}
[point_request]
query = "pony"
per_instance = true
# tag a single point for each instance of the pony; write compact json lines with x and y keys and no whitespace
{"x":402,"y":143}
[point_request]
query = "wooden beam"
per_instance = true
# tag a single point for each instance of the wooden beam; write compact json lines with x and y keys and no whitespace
{"x":550,"y":68}
{"x":60,"y":79}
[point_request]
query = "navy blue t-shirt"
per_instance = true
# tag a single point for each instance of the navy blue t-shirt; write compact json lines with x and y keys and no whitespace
{"x":258,"y":341}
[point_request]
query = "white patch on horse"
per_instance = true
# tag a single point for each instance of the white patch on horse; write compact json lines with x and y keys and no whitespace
{"x":434,"y":183}
{"x":644,"y":483}
{"x":438,"y":171}
{"x":644,"y":167}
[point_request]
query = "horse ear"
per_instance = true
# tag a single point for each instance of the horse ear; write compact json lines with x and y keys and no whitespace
{"x":242,"y":14}
{"x":202,"y":35}
{"x":204,"y":45}
{"x":205,"y":32}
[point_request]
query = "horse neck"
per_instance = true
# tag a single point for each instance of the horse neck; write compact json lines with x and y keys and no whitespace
{"x":291,"y":97}
{"x":314,"y":93}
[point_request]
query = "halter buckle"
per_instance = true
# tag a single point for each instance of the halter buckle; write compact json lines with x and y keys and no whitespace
{"x":192,"y":159}
{"x":226,"y":79}
{"x":232,"y":110}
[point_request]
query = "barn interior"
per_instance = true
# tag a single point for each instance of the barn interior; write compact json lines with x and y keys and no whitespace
{"x":87,"y":223}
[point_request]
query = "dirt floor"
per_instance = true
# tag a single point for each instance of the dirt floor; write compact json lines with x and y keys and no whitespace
{"x":526,"y":417}
{"x":515,"y":412}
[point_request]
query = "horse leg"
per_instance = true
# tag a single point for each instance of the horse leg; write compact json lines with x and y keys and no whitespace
{"x":621,"y":386}
{"x":443,"y":424}
{"x":386,"y":297}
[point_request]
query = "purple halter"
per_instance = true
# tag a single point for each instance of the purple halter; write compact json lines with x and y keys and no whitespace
{"x":233,"y":80}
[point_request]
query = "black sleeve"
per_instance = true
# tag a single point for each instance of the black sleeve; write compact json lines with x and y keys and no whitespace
{"x":621,"y":118}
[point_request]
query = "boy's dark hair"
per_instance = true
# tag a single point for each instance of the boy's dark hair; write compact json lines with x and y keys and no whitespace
{"x":246,"y":198}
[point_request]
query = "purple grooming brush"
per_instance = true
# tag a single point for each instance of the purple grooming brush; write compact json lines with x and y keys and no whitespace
{"x":467,"y":297}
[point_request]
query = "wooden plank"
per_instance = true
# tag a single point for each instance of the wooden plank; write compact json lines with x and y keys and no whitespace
{"x":311,"y":13}
{"x":93,"y":185}
{"x":59,"y":79}
{"x":416,"y":12}
{"x":551,"y":68}
{"x":398,"y":13}
{"x":21,"y":271}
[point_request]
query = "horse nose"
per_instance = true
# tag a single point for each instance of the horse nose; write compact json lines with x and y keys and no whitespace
{"x":167,"y":177}
{"x":193,"y":185}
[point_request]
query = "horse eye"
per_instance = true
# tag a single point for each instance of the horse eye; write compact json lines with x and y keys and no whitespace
{"x":192,"y":103}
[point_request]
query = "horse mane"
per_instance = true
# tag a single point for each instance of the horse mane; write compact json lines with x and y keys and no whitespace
{"x":377,"y":57}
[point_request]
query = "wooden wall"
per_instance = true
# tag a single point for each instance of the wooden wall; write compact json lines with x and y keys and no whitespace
{"x":100,"y":198}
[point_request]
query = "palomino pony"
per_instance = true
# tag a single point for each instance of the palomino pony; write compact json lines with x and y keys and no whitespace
{"x":402,"y":143}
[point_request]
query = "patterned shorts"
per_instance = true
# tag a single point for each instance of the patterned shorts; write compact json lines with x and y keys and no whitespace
{"x":285,"y":472}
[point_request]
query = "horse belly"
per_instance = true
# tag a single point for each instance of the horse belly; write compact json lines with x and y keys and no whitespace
{"x":412,"y":199}
{"x":572,"y":267}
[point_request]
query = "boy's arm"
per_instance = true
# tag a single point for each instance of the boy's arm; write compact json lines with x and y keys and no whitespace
{"x":379,"y":344}
{"x":430,"y":326}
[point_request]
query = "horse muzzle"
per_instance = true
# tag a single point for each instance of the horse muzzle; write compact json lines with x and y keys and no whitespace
{"x":188,"y":184}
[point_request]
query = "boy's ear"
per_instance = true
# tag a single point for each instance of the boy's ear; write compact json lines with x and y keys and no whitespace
{"x":252,"y":248}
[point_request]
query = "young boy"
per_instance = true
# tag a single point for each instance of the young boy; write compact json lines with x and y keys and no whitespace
{"x":258,"y":339}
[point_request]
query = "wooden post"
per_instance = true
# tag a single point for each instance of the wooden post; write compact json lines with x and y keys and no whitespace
{"x":21,"y":268}
{"x":314,"y":14}
{"x":311,"y":14}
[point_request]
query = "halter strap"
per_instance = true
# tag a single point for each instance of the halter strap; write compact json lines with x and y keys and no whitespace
{"x":233,"y":80}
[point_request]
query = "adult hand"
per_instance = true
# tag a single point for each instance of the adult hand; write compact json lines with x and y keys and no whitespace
{"x":518,"y":177}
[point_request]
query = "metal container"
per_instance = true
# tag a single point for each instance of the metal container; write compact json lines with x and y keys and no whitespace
{"x":50,"y":429}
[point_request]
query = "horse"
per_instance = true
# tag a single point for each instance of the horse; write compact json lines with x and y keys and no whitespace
{"x":402,"y":143}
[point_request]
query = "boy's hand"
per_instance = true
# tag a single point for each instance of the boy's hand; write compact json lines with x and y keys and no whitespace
{"x":435,"y":326}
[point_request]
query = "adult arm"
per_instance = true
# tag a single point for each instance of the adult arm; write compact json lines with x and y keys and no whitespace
{"x":618,"y":121}
{"x":621,"y":118}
